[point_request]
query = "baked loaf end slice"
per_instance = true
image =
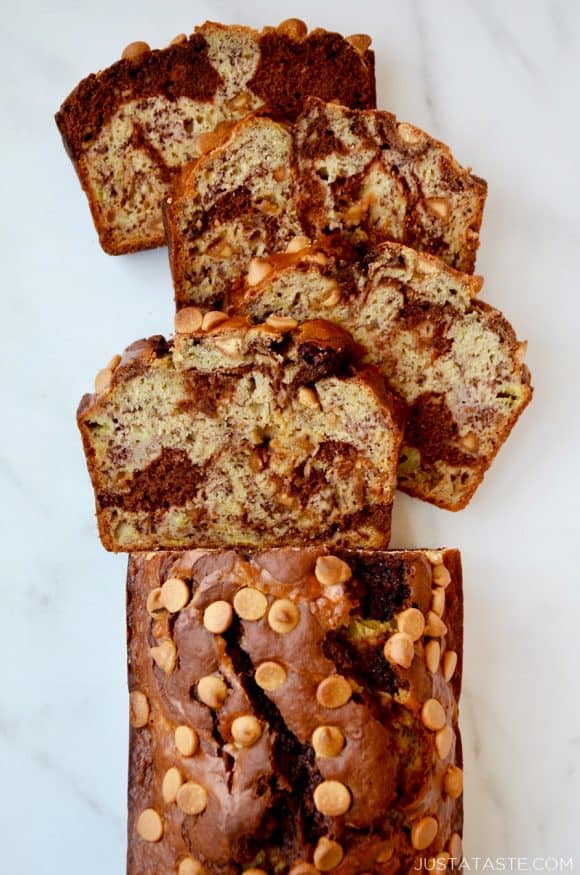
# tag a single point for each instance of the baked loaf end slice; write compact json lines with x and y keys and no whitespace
{"x":366,"y":176}
{"x":242,"y":435}
{"x":130,"y":128}
{"x":455,"y":360}
{"x":294,"y":711}
{"x":234,"y":204}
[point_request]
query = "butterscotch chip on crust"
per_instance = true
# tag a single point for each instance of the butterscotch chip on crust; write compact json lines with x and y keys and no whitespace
{"x":191,"y":448}
{"x":318,"y":754}
{"x":130,"y":128}
{"x":455,"y":360}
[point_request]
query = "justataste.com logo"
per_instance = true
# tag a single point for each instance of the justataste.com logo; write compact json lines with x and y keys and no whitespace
{"x":498,"y":864}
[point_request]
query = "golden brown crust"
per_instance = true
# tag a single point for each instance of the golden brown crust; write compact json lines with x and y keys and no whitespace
{"x":456,"y":361}
{"x":141,"y":117}
{"x":241,"y":434}
{"x":327,"y":664}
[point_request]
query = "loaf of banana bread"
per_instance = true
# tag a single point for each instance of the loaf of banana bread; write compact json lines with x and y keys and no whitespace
{"x":242,"y":435}
{"x":455,"y":360}
{"x":130,"y":128}
{"x":358,"y":178}
{"x":294,"y":711}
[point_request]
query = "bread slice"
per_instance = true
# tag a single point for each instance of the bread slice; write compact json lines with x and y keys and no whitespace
{"x":455,"y":360}
{"x":358,"y":177}
{"x":242,"y":435}
{"x":130,"y":128}
{"x":366,"y":176}
{"x":234,"y":204}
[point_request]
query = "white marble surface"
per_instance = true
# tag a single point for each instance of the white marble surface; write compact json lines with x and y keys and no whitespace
{"x":500,"y":82}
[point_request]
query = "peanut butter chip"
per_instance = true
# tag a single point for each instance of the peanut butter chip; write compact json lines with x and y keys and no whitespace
{"x":455,"y":848}
{"x":360,"y":41}
{"x":230,"y":346}
{"x":192,"y":798}
{"x":258,"y":271}
{"x":114,"y":362}
{"x":307,"y":397}
{"x":270,"y":675}
{"x":176,"y":41}
{"x":150,"y":825}
{"x":333,"y":691}
{"x":412,"y":622}
{"x":441,"y":576}
{"x":449,"y":664}
{"x":283,"y":616}
{"x":138,"y":709}
{"x":330,"y":570}
{"x":327,"y":854}
{"x":188,"y":320}
{"x":439,"y":206}
{"x":189,"y":866}
{"x":165,"y":656}
{"x":433,"y":715}
{"x":385,"y":853}
{"x":297,"y":244}
{"x":135,"y":50}
{"x":186,"y":740}
{"x":435,"y":627}
{"x":293,"y":27}
{"x":174,"y":594}
{"x":212,"y":319}
{"x":246,"y":730}
{"x":217,"y":617}
{"x":103,"y":380}
{"x":444,"y":741}
{"x":172,"y":781}
{"x":212,"y":691}
{"x":327,"y":741}
{"x":399,"y":649}
{"x":432,"y":656}
{"x":423,"y":832}
{"x":332,"y":299}
{"x":281,"y":323}
{"x":250,"y":603}
{"x":155,"y":606}
{"x":409,"y":134}
{"x":435,"y":557}
{"x":303,"y":869}
{"x":438,"y":601}
{"x":332,"y":798}
{"x":453,"y":782}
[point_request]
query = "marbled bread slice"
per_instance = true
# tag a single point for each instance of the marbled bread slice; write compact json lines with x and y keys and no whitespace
{"x":455,"y":360}
{"x":130,"y":128}
{"x":369,"y":178}
{"x":262,"y":435}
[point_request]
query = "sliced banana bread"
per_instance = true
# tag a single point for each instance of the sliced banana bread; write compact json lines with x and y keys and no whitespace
{"x":455,"y":360}
{"x":358,"y":178}
{"x":130,"y":128}
{"x":264,"y":435}
{"x":366,"y":176}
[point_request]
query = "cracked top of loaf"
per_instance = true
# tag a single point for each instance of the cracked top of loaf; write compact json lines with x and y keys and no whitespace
{"x":354,"y":178}
{"x":294,"y":711}
{"x":242,"y":434}
{"x":131,"y":127}
{"x":455,"y":360}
